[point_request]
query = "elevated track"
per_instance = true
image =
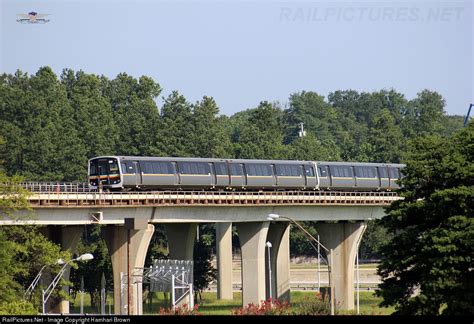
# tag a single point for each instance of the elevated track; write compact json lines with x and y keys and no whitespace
{"x":79,"y":195}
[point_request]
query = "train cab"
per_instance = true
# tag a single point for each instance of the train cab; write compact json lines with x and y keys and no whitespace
{"x":104,"y":172}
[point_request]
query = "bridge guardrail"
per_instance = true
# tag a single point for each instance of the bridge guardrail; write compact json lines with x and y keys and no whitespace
{"x":166,"y":198}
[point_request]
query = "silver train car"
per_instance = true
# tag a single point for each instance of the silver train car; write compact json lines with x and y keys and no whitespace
{"x":173,"y":173}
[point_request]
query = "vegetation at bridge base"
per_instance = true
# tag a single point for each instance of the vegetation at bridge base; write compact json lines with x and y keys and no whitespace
{"x":23,"y":251}
{"x":204,"y":271}
{"x":427,"y":267}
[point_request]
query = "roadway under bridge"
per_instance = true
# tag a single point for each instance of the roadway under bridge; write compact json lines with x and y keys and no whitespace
{"x":340,"y":219}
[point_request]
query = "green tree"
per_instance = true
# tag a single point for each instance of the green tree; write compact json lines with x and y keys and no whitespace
{"x":427,"y":266}
{"x":176,"y":135}
{"x":204,"y":272}
{"x":424,"y":114}
{"x":92,"y":112}
{"x":210,"y":139}
{"x":308,"y":148}
{"x":261,"y":134}
{"x":92,"y":271}
{"x":386,"y":138}
{"x":135,"y":113}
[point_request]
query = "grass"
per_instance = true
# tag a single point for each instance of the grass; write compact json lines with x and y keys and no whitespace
{"x":211,"y":306}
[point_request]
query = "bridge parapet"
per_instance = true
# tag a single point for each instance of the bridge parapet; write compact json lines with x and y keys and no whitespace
{"x":208,"y":198}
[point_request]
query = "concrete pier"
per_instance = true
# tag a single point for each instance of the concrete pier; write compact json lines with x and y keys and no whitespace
{"x":67,"y":237}
{"x":181,"y":240}
{"x":343,"y":238}
{"x":224,"y":260}
{"x":279,"y":237}
{"x":252,"y":238}
{"x":116,"y":238}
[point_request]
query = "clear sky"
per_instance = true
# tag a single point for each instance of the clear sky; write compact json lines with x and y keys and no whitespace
{"x":243,"y":52}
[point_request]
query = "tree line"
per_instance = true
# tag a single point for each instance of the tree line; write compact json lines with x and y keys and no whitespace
{"x":52,"y":124}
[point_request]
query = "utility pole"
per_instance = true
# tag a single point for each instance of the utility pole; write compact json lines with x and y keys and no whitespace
{"x":466,"y":120}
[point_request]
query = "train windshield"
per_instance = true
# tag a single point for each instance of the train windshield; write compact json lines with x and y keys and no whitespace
{"x":105,"y":169}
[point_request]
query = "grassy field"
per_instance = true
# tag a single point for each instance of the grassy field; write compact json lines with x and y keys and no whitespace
{"x":211,"y":306}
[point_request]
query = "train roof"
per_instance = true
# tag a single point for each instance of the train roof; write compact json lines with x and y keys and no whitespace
{"x":191,"y":159}
{"x":396,"y":165}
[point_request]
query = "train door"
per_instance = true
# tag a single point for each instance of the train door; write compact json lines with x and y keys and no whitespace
{"x":213,"y":174}
{"x":324,"y":177}
{"x":137,"y":172}
{"x":384,"y":179}
{"x":222,"y":174}
{"x":311,"y":180}
{"x":237,"y":176}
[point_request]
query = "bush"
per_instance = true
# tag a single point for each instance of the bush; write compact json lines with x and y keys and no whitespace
{"x":180,"y":310}
{"x":268,"y":307}
{"x":17,"y":307}
{"x":318,"y":306}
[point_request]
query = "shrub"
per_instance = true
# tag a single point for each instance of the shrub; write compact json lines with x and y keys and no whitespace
{"x":318,"y":306}
{"x":180,"y":310}
{"x":268,"y":307}
{"x":17,"y":307}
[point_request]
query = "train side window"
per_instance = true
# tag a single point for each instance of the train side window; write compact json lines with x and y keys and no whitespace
{"x":365,"y":172}
{"x":394,"y":174}
{"x":194,"y":168}
{"x":309,"y":170}
{"x":342,"y":171}
{"x":146,"y":167}
{"x":163,"y":168}
{"x":259,"y":169}
{"x":383,"y":172}
{"x":124,"y":167}
{"x":236,"y":169}
{"x":221,"y":168}
{"x":323,"y":171}
{"x":93,"y":168}
{"x":129,"y":167}
{"x":288,"y":170}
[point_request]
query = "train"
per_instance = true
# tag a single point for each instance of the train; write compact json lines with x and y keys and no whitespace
{"x":125,"y":173}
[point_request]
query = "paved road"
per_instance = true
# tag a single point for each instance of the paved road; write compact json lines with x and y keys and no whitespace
{"x":307,"y":278}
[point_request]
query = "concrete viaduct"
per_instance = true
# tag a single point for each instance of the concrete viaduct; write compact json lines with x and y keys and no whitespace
{"x":340,"y":219}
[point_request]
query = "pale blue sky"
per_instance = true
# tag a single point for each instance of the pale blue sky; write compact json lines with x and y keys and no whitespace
{"x":243,"y":52}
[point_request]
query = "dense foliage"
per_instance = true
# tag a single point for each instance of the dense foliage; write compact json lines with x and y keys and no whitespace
{"x":428,"y":265}
{"x":52,"y":124}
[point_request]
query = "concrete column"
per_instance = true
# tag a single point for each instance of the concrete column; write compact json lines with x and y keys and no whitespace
{"x":67,"y":237}
{"x":252,"y":237}
{"x":181,"y":240}
{"x":279,"y":237}
{"x":224,"y":260}
{"x":116,"y":239}
{"x":343,"y":239}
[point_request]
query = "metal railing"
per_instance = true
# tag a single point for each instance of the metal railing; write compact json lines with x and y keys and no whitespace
{"x":166,"y":198}
{"x":45,"y":187}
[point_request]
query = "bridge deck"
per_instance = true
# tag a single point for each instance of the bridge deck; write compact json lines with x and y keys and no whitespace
{"x":208,"y":198}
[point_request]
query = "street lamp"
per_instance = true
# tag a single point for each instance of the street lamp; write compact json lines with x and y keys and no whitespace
{"x":272,"y":217}
{"x":35,"y":281}
{"x":47,"y":293}
{"x":269,"y":245}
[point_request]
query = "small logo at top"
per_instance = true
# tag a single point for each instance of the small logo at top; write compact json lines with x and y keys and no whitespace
{"x":32,"y":18}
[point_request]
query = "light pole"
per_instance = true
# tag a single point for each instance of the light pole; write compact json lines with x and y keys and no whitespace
{"x":35,"y":281}
{"x":269,"y":245}
{"x":273,"y":217}
{"x":47,"y":293}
